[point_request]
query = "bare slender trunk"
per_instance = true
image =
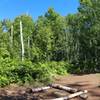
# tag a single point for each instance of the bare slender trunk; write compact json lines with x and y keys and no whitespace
{"x":11,"y":36}
{"x":29,"y":47}
{"x":22,"y":42}
{"x":11,"y":41}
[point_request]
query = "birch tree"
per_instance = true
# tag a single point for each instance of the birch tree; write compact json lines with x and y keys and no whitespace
{"x":22,"y":42}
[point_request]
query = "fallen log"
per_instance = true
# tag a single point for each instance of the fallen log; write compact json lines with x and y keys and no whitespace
{"x":83,"y":96}
{"x":62,"y":94}
{"x":71,"y":96}
{"x":34,"y":90}
{"x":65,"y":88}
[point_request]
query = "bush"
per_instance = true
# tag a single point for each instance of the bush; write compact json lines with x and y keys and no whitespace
{"x":14,"y":71}
{"x":3,"y":81}
{"x":57,"y":68}
{"x":74,"y":70}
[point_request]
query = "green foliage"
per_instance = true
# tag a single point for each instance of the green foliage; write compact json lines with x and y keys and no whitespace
{"x":14,"y":71}
{"x":50,"y":42}
{"x":4,"y":53}
{"x":3,"y":81}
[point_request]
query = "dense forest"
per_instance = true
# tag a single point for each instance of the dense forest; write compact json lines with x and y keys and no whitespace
{"x":52,"y":45}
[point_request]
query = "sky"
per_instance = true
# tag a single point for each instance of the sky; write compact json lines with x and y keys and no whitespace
{"x":12,"y":8}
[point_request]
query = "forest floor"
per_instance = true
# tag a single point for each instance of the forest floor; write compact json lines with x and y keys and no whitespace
{"x":89,"y":82}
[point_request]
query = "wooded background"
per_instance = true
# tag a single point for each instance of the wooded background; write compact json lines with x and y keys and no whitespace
{"x":73,"y":39}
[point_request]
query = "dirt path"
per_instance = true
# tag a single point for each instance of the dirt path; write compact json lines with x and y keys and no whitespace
{"x":90,"y":82}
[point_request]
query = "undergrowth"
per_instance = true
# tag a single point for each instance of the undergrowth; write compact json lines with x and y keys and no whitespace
{"x":14,"y":71}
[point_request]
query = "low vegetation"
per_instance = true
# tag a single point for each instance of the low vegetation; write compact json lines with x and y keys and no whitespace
{"x":13,"y":71}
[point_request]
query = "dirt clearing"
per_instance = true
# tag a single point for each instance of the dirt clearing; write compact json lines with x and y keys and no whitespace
{"x":89,"y":82}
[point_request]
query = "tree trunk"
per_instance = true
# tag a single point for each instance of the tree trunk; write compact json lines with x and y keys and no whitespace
{"x":11,"y":36}
{"x":40,"y":89}
{"x":72,"y":95}
{"x":11,"y":41}
{"x":65,"y":88}
{"x":29,"y":55}
{"x":22,"y":42}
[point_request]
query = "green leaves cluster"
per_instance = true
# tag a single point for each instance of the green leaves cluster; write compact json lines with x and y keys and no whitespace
{"x":14,"y":71}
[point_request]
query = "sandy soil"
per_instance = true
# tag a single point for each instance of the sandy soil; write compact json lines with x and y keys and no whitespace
{"x":89,"y":82}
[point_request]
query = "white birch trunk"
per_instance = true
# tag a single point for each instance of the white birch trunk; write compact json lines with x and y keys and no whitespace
{"x":22,"y":42}
{"x":40,"y":89}
{"x":11,"y":41}
{"x":65,"y":88}
{"x":11,"y":37}
{"x":72,"y":95}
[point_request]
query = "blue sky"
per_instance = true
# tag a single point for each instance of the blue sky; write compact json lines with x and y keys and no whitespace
{"x":12,"y":8}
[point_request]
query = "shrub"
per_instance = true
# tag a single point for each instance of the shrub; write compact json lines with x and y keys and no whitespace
{"x":74,"y":69}
{"x":14,"y":71}
{"x":4,"y":81}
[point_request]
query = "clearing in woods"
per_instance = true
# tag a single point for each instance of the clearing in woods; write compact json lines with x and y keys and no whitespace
{"x":89,"y":82}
